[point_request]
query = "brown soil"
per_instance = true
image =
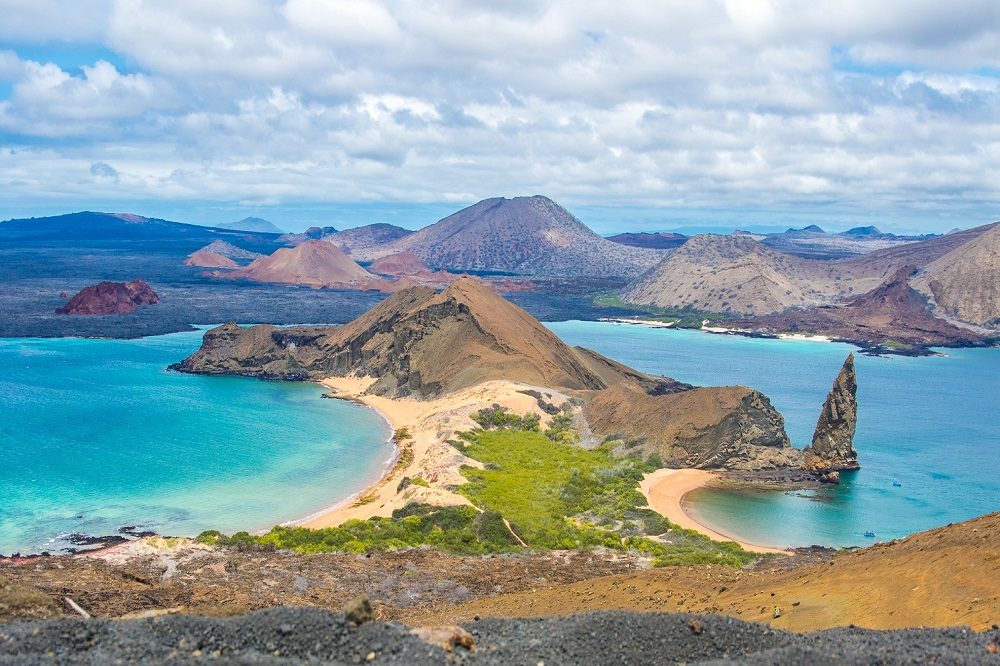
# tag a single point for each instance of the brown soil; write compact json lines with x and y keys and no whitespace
{"x":224,"y":582}
{"x":732,"y":427}
{"x":943,"y":577}
{"x":314,"y":263}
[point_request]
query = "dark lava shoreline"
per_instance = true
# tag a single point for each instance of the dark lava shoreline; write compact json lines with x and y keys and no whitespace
{"x":310,"y":635}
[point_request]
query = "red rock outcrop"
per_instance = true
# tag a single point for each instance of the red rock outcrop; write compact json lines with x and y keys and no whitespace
{"x":107,"y":298}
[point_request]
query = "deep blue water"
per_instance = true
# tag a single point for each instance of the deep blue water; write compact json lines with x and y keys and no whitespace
{"x":931,"y":424}
{"x":97,"y":434}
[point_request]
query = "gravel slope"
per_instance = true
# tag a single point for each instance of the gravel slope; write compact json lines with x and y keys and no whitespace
{"x":291,"y":636}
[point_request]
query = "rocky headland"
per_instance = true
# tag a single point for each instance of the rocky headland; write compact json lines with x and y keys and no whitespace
{"x":109,"y":298}
{"x":424,"y":344}
{"x":832,"y":449}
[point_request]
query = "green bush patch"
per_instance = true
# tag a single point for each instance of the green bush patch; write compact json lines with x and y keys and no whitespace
{"x":555,"y":495}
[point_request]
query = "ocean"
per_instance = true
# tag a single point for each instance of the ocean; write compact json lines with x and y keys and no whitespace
{"x":96,"y":435}
{"x":928,"y":435}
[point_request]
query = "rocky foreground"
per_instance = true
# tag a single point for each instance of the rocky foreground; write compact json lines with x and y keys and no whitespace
{"x":292,"y":636}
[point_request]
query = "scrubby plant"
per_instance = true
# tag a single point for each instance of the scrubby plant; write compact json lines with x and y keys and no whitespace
{"x":555,"y":495}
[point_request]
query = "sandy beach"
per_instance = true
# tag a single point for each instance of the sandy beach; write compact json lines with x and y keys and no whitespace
{"x":426,"y":454}
{"x":665,"y":489}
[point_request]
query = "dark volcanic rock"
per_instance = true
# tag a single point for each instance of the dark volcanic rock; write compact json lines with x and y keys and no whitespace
{"x":310,"y":635}
{"x":663,"y":240}
{"x":107,"y":298}
{"x":832,"y":448}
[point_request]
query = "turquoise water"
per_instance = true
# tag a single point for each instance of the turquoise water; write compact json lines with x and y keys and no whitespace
{"x":931,"y":424}
{"x":97,"y":434}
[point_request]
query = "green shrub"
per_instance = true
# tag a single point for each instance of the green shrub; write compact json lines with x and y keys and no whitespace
{"x":555,"y":496}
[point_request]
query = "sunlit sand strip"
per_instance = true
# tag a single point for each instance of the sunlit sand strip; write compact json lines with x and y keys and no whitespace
{"x":665,"y":489}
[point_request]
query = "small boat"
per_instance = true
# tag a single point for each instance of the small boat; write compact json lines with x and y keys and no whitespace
{"x":870,"y":534}
{"x":897,"y":484}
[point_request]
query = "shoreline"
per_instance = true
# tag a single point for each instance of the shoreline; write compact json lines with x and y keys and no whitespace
{"x":665,"y":490}
{"x":425,"y":454}
{"x":386,"y":469}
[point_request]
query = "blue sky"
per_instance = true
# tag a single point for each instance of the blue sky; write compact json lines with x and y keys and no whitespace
{"x":634,"y":115}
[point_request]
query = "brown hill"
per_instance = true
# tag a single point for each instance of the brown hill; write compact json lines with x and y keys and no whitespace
{"x":360,"y":241}
{"x":965,"y":283}
{"x":945,"y":577}
{"x":418,"y":342}
{"x":398,"y":265}
{"x":107,"y":298}
{"x":314,"y":264}
{"x":208,"y":259}
{"x":410,"y":270}
{"x":730,"y":427}
{"x":524,"y":235}
{"x":733,"y":273}
{"x":891,"y":313}
{"x":738,"y":274}
{"x":227,"y":249}
{"x":424,"y":344}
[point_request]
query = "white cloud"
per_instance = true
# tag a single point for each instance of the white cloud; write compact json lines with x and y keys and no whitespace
{"x":871,"y":106}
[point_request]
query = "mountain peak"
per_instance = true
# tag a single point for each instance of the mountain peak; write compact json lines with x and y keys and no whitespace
{"x":255,"y":224}
{"x":530,"y":235}
{"x":314,"y":263}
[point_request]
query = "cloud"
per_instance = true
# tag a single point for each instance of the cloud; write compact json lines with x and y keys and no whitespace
{"x":891,"y":106}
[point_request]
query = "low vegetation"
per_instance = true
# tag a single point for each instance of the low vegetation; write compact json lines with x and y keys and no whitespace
{"x":553,"y":495}
{"x":686,"y":317}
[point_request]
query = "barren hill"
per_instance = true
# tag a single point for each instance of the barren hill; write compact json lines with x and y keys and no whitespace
{"x":227,"y":249}
{"x":417,"y":342}
{"x":945,"y":577}
{"x":728,"y":427}
{"x":314,"y":264}
{"x":732,"y":273}
{"x":255,"y":224}
{"x":208,"y":259}
{"x":425,"y":344}
{"x":965,"y":283}
{"x":893,"y":312}
{"x":409,"y":268}
{"x":361,"y":241}
{"x":525,"y":235}
{"x":738,"y":274}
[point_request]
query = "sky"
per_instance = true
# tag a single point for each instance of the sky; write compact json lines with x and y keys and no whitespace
{"x":645,"y":115}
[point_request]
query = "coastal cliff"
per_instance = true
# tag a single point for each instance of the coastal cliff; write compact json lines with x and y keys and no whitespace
{"x":832,"y":449}
{"x":730,"y":427}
